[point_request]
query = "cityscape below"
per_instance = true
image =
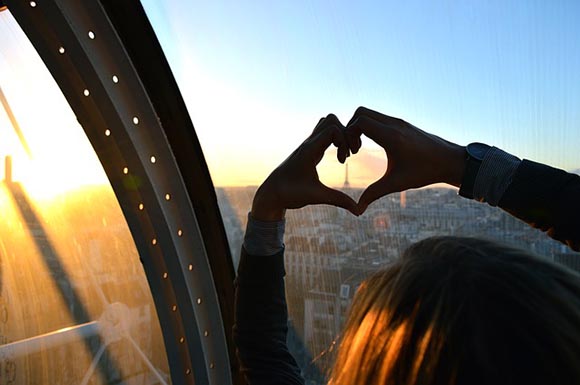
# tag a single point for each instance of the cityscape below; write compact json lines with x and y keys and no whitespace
{"x":72,"y":260}
{"x":329,"y":252}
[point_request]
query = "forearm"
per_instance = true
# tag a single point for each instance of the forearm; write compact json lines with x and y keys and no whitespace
{"x":548,"y":199}
{"x":261,"y":315}
{"x":545,"y":197}
{"x":260,"y":328}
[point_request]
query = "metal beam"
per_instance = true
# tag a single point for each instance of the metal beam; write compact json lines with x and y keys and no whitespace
{"x":49,"y":340}
{"x":129,"y":126}
{"x":133,"y":28}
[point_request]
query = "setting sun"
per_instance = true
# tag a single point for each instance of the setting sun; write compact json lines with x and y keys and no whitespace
{"x":49,"y":150}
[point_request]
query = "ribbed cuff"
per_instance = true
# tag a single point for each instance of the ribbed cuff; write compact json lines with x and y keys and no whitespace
{"x":264,"y":238}
{"x":495,"y":175}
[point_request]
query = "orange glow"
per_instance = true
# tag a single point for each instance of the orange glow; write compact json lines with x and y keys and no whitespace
{"x":425,"y":340}
{"x":372,"y":347}
{"x":394,"y":347}
{"x":68,"y":262}
{"x":61,"y":157}
{"x":252,"y":169}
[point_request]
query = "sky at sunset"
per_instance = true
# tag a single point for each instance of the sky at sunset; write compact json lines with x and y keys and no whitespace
{"x":258,"y":75}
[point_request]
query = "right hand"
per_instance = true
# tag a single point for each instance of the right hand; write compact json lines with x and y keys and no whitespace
{"x":415,"y":158}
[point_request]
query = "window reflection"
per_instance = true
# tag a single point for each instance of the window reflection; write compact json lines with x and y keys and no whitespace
{"x":75,"y":305}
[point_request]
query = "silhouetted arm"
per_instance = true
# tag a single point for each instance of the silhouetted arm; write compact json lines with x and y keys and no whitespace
{"x":546,"y":198}
{"x":260,"y":327}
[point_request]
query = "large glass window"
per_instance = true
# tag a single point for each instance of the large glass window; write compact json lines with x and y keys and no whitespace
{"x":257,"y":76}
{"x":75,"y":305}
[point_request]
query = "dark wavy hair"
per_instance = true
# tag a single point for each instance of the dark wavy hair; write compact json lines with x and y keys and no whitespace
{"x":463,"y":311}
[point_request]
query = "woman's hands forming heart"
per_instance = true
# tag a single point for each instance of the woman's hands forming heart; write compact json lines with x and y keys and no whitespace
{"x":415,"y":159}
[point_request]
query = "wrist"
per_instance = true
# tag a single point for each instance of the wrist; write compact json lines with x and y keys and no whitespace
{"x":455,"y":163}
{"x":266,"y":206}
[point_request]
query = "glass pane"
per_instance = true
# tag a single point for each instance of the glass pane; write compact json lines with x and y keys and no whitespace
{"x":258,"y":76}
{"x":75,"y":305}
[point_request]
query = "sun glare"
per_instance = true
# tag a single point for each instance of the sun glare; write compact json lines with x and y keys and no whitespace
{"x":50,"y":153}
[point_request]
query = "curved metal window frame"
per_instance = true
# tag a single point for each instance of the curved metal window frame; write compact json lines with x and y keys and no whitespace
{"x":139,"y":121}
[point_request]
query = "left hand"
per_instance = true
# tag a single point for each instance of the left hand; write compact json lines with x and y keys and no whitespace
{"x":295,"y":183}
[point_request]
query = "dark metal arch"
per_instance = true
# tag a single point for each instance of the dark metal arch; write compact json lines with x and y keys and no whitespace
{"x":195,"y":298}
{"x":134,"y":28}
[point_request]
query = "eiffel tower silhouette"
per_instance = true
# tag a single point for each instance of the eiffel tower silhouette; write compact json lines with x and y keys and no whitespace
{"x":346,"y":182}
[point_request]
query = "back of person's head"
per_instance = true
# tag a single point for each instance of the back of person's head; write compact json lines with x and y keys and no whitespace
{"x":463,"y":311}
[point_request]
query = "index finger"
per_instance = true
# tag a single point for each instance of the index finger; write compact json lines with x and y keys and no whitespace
{"x":329,"y":130}
{"x":328,"y":134}
{"x":329,"y":119}
{"x":367,"y":112}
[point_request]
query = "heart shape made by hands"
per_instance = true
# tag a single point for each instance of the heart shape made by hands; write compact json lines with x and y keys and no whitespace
{"x":413,"y":158}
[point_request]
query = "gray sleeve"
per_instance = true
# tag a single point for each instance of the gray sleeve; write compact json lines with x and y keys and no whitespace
{"x":494,"y":176}
{"x":264,"y":238}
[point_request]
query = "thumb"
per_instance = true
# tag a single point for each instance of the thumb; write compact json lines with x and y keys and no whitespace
{"x":338,"y":198}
